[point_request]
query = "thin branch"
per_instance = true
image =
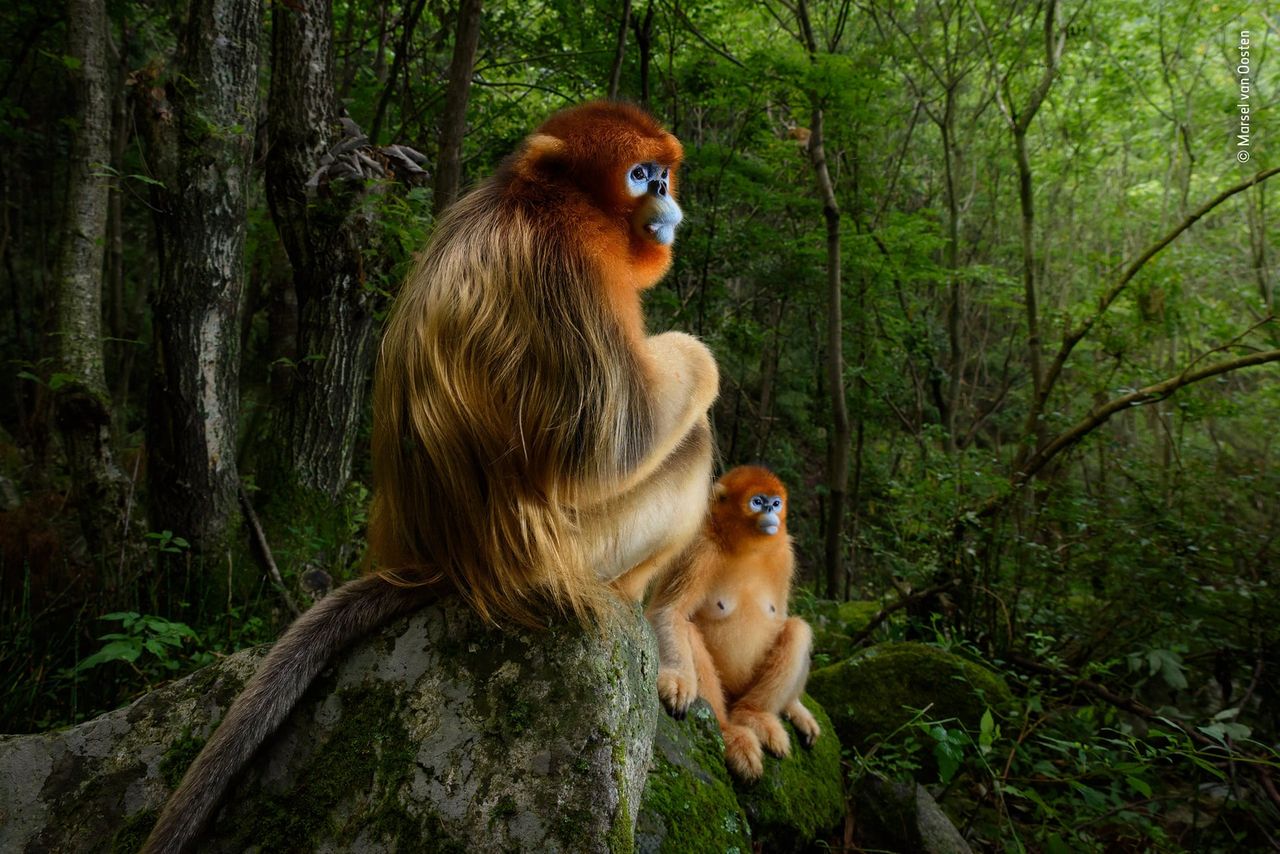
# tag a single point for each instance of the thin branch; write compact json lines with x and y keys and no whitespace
{"x":1150,"y":394}
{"x":888,"y":610}
{"x":263,"y":553}
{"x":1073,"y":337}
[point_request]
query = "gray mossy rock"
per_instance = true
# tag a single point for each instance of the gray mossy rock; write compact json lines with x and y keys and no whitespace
{"x":693,"y":806}
{"x":438,"y":732}
{"x":903,"y":817}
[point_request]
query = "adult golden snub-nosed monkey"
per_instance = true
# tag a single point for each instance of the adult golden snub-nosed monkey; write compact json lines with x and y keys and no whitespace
{"x":533,"y":450}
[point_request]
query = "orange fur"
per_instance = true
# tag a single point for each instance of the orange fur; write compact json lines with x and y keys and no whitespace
{"x":723,"y":629}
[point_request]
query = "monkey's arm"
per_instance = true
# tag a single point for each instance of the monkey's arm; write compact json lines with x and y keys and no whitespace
{"x":683,"y":383}
{"x":679,"y":597}
{"x":635,"y":526}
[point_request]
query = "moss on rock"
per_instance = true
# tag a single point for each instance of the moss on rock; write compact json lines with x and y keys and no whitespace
{"x":874,"y":693}
{"x":835,"y":624}
{"x":800,"y":797}
{"x":689,"y":803}
{"x":692,"y":804}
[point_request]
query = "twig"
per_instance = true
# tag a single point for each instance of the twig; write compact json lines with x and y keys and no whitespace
{"x":899,"y":605}
{"x":128,"y":514}
{"x":263,"y":552}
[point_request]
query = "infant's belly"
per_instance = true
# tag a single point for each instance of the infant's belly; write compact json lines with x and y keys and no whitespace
{"x":737,"y":643}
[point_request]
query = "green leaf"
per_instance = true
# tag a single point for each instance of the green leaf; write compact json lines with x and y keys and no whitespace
{"x":58,"y":380}
{"x":1139,"y":785}
{"x":986,"y":731}
{"x":125,"y":650}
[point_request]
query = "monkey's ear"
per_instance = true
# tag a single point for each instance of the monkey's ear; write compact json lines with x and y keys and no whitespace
{"x":540,"y":152}
{"x":719,"y":492}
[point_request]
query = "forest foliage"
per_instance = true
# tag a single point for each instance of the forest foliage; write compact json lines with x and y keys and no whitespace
{"x":992,"y":285}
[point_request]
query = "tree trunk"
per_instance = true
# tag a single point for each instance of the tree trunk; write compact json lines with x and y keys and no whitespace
{"x":453,"y":124}
{"x":839,"y":439}
{"x":620,"y":50}
{"x":83,"y":405}
{"x":326,"y":234}
{"x":201,"y":148}
{"x":644,"y":43}
{"x":838,"y":442}
{"x":955,"y":304}
{"x":398,"y":62}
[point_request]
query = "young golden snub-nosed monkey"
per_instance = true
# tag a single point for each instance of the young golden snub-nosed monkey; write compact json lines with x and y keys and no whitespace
{"x":722,"y":624}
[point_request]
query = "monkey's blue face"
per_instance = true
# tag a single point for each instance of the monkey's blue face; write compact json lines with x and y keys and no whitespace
{"x":658,"y":214}
{"x":766,"y":509}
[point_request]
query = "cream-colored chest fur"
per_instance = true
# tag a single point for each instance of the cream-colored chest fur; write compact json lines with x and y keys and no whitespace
{"x":745,"y":608}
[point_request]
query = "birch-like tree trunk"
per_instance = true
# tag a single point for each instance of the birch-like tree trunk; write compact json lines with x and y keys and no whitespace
{"x":83,"y":403}
{"x":201,"y":147}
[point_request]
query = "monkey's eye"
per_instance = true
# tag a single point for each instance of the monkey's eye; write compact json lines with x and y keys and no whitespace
{"x":757,"y":503}
{"x":639,"y":174}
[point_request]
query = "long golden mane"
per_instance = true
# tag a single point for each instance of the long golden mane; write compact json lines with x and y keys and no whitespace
{"x":505,"y":389}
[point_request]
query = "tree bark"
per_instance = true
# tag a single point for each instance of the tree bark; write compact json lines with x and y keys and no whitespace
{"x":201,"y":147}
{"x":453,"y":124}
{"x":83,"y":404}
{"x":620,"y":50}
{"x":326,"y":235}
{"x":644,"y":42}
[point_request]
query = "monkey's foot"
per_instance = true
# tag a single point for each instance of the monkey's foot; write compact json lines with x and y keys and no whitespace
{"x":742,"y":752}
{"x":677,"y":691}
{"x":767,"y":728}
{"x":804,"y":722}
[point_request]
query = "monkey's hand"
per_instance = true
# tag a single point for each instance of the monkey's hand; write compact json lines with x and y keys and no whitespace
{"x":804,"y":722}
{"x":684,"y":381}
{"x":677,"y":690}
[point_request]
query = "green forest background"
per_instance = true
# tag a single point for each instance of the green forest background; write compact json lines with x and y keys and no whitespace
{"x":992,"y":285}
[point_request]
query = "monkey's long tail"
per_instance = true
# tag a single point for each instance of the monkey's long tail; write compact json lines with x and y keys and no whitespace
{"x":347,"y":613}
